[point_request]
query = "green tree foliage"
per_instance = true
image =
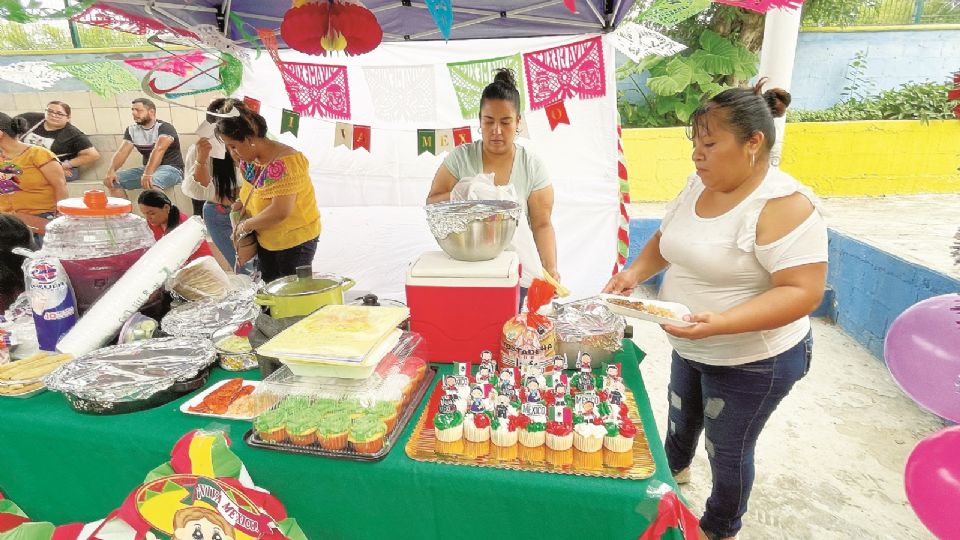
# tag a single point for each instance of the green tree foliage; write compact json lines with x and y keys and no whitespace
{"x":677,"y":85}
{"x":911,"y":101}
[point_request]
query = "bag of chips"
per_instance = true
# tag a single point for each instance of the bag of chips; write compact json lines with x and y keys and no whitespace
{"x":529,"y":338}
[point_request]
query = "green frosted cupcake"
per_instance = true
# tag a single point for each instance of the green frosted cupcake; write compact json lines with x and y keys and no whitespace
{"x":367,"y":433}
{"x":351,"y":407}
{"x":324,"y":406}
{"x":271,"y":426}
{"x":332,"y":431}
{"x":387,"y":411}
{"x":295,"y":403}
{"x":302,"y":429}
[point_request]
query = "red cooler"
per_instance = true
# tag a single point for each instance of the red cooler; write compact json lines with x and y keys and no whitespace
{"x":459,"y":307}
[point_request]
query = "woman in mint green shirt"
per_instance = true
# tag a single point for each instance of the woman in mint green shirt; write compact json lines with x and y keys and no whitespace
{"x":496,"y":153}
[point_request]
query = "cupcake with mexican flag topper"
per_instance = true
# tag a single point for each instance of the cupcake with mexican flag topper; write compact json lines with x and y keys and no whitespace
{"x":588,"y":435}
{"x":532,"y":433}
{"x":504,"y":431}
{"x":619,"y":437}
{"x":448,"y":425}
{"x":476,"y":427}
{"x":559,"y":436}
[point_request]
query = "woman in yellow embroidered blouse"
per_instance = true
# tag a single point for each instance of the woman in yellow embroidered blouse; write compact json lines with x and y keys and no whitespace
{"x":31,"y":179}
{"x":283,"y":208}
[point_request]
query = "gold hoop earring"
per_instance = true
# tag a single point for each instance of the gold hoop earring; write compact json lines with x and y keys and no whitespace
{"x":753,"y":160}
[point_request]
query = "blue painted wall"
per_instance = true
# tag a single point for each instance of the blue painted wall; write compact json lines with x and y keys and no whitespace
{"x":870,"y":287}
{"x":893,"y":58}
{"x":823,"y":60}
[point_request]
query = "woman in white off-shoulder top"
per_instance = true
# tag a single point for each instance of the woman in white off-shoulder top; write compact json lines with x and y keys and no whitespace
{"x":745,"y":248}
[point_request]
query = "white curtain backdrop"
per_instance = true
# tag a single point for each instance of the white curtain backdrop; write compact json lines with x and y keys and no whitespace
{"x":371,"y":204}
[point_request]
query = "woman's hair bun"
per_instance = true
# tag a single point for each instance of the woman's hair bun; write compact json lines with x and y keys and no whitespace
{"x":19,"y":125}
{"x":778,"y":100}
{"x":505,"y":76}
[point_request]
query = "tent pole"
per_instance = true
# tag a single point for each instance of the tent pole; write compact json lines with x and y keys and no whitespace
{"x":777,"y":54}
{"x":227,"y":5}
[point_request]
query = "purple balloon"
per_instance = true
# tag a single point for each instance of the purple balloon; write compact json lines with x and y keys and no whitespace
{"x":932,"y":480}
{"x":922,"y":350}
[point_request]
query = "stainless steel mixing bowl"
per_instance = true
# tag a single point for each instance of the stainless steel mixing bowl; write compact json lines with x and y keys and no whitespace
{"x":473,"y":230}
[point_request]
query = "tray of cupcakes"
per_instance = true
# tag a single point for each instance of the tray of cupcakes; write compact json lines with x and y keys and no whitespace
{"x":538,"y":417}
{"x":344,"y":418}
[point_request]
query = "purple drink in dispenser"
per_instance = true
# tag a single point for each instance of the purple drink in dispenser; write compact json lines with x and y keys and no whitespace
{"x":97,"y":239}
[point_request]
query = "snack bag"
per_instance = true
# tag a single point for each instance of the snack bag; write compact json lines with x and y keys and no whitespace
{"x":529,"y":338}
{"x":51,"y":299}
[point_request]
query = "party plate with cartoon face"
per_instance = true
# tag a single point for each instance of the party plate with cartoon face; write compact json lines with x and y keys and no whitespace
{"x":189,"y":507}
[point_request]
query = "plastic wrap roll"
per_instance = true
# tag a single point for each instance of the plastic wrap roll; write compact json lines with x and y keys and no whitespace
{"x":131,"y":291}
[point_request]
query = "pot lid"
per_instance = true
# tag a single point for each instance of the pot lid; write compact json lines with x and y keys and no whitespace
{"x":305,"y":282}
{"x":94,"y":203}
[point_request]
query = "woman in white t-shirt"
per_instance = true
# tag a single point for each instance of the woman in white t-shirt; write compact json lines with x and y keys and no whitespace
{"x":745,"y":248}
{"x":510,"y":163}
{"x":215,"y":181}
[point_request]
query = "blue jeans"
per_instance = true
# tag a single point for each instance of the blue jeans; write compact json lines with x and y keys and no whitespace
{"x":733,"y":403}
{"x":277,"y":264}
{"x":217,"y":218}
{"x":163,"y":177}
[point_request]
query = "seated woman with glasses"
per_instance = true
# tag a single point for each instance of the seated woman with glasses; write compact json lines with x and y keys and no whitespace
{"x":52,"y":130}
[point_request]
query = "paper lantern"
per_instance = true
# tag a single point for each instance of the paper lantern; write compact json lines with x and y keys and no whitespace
{"x":321,"y":27}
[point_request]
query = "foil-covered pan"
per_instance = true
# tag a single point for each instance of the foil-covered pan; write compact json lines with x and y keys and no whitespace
{"x":204,"y":317}
{"x":134,"y":376}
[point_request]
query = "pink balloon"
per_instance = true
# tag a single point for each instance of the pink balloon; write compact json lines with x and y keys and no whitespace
{"x":932,"y":479}
{"x":922,"y":350}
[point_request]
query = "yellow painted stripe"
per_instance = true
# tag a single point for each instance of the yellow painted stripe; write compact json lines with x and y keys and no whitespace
{"x":836,"y":159}
{"x":201,"y":455}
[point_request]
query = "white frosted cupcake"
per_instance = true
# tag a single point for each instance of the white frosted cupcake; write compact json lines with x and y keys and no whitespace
{"x":503,"y":431}
{"x":532,"y":434}
{"x":448,"y":427}
{"x":620,"y":438}
{"x":588,"y":437}
{"x":476,"y":427}
{"x":559,"y":436}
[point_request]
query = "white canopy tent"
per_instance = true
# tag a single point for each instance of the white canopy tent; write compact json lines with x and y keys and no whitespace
{"x":372,"y":203}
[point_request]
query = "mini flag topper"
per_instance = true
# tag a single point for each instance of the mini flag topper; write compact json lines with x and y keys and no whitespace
{"x":343,"y":135}
{"x":361,"y":137}
{"x":426,"y":141}
{"x":252,"y":104}
{"x":290,"y":122}
{"x":462,"y":135}
{"x":557,"y":114}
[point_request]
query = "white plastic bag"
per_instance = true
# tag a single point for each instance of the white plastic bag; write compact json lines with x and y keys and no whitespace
{"x":482,"y":188}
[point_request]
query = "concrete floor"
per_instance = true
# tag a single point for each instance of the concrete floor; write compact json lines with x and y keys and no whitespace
{"x":830,"y":461}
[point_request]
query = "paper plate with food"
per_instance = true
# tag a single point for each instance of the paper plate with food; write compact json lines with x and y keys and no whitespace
{"x":657,"y":311}
{"x":233,"y":399}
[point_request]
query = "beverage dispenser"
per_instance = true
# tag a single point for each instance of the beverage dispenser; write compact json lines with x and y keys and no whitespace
{"x":97,"y":239}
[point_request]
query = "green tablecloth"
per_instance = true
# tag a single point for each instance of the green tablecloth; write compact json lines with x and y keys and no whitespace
{"x":62,"y":466}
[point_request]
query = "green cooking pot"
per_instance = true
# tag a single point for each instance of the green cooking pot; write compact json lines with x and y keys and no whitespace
{"x":302,"y":294}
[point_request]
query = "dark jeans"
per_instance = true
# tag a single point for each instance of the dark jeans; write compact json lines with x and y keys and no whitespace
{"x":733,"y":403}
{"x":277,"y":264}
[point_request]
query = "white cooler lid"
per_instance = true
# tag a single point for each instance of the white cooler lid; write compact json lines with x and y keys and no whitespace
{"x":439,"y":269}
